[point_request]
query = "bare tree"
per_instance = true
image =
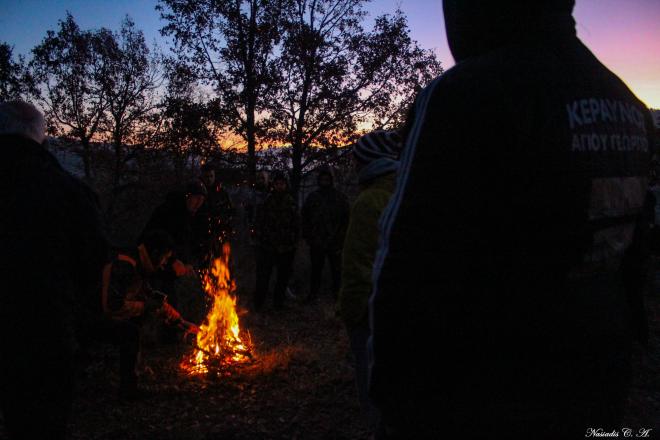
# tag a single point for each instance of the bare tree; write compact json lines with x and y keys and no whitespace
{"x":67,"y":70}
{"x":188,"y":117}
{"x":130,"y":81}
{"x":339,"y":78}
{"x":229,"y":44}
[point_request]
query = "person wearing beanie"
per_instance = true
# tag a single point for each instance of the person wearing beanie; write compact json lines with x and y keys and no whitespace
{"x":508,"y":282}
{"x":213,"y":223}
{"x":375,"y":156}
{"x":276,"y":233}
{"x":176,"y":216}
{"x":325,"y":216}
{"x":256,"y":195}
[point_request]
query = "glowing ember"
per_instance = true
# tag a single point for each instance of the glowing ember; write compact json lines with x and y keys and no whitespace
{"x":219,"y":341}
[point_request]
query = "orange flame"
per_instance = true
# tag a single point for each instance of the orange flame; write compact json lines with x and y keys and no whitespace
{"x":219,"y":338}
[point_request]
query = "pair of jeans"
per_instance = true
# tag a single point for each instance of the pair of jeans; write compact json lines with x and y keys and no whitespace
{"x":318,"y":257}
{"x":267,"y":260}
{"x":358,"y":337}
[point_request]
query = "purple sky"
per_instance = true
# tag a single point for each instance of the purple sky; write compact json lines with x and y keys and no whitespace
{"x":624,"y":34}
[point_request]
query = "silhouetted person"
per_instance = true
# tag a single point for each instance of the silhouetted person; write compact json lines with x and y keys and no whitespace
{"x":324,"y":221}
{"x":276,"y":229}
{"x":176,"y":216}
{"x":510,"y":250}
{"x":256,"y":196}
{"x":213,"y":222}
{"x":52,"y":249}
{"x":375,"y":156}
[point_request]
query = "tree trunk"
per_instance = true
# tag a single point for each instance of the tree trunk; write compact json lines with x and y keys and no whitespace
{"x":251,"y":147}
{"x":296,"y":172}
{"x":297,"y":144}
{"x":117,"y":140}
{"x":251,"y":96}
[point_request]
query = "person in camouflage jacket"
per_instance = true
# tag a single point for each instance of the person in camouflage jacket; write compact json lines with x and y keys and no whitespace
{"x":213,"y":222}
{"x":325,"y":216}
{"x":276,"y":230}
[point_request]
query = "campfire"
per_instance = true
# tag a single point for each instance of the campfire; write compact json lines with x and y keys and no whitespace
{"x":219,"y":343}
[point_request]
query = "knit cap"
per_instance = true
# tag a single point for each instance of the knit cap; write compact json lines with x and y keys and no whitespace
{"x":378,"y":144}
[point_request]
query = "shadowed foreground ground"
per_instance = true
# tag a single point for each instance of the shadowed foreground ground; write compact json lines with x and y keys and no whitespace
{"x":301,"y":387}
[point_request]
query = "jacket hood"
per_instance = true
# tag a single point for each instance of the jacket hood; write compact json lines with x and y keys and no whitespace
{"x":475,"y":27}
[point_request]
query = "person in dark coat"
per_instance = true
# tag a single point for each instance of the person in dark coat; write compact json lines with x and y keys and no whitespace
{"x":325,"y":215}
{"x":213,"y":222}
{"x":257,"y":193}
{"x":176,"y":217}
{"x":52,"y":248}
{"x":509,"y":277}
{"x":276,"y":229}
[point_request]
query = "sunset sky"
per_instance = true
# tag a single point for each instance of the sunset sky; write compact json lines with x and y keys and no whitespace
{"x":624,"y":34}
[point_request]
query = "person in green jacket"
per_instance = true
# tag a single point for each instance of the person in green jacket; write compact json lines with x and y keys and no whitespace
{"x":376,"y":160}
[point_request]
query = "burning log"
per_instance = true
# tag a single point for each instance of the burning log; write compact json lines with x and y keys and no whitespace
{"x":219,"y":343}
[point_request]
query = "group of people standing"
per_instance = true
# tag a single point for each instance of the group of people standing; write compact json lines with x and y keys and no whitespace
{"x":343,"y":236}
{"x":322,"y":222}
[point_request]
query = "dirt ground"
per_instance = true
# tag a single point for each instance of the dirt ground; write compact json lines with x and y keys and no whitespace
{"x":300,"y":387}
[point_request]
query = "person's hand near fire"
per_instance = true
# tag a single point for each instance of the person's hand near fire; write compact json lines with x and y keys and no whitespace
{"x":180,"y":269}
{"x":173,"y":317}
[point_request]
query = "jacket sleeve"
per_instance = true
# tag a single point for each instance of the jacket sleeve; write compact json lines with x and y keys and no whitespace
{"x":306,"y":217}
{"x":357,"y":262}
{"x":121,"y":276}
{"x":428,"y":233}
{"x":345,"y":210}
{"x":259,"y":219}
{"x":295,"y":221}
{"x":91,"y":246}
{"x":636,"y":264}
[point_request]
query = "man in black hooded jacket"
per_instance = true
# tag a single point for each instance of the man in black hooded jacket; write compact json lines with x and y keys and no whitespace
{"x":52,"y":248}
{"x":509,"y":307}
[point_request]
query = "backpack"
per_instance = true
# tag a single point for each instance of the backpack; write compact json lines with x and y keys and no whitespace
{"x":105,"y":285}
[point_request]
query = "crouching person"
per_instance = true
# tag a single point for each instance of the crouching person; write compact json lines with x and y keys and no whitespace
{"x":127,"y":298}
